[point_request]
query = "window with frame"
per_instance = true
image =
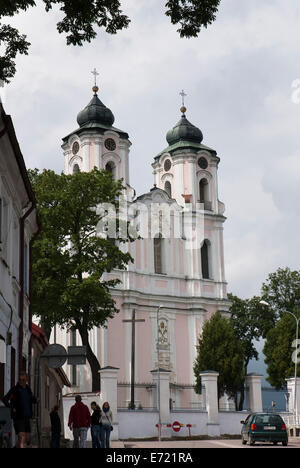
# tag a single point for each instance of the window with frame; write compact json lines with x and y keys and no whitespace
{"x":158,"y":254}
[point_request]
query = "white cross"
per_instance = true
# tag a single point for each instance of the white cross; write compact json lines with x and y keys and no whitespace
{"x":95,"y":73}
{"x":183,"y":95}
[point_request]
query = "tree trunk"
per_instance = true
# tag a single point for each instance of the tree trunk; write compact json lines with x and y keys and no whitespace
{"x":92,"y":360}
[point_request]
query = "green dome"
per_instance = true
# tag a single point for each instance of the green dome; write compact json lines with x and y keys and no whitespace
{"x":95,"y":112}
{"x":184,"y":131}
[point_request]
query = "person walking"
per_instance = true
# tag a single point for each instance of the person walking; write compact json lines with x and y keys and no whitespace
{"x":106,"y":428}
{"x":55,"y":428}
{"x":95,"y":426}
{"x":79,"y":422}
{"x":20,"y":400}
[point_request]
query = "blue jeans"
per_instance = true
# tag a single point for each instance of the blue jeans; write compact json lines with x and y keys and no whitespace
{"x":105,"y":435}
{"x":95,"y":432}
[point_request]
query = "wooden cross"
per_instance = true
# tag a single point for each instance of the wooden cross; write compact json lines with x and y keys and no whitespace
{"x":95,"y":73}
{"x":133,"y":321}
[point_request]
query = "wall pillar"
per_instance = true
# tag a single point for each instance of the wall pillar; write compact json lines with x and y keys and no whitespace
{"x":253,"y":393}
{"x":161,"y":379}
{"x":209,"y":380}
{"x":109,"y":392}
{"x":291,"y":392}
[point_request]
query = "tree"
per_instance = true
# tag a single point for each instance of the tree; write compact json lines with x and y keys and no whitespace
{"x":82,"y":17}
{"x":220,"y":350}
{"x":278,"y":350}
{"x":70,"y":258}
{"x":282,"y":291}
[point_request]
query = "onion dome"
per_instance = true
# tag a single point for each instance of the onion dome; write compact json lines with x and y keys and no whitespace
{"x":184,"y":131}
{"x":95,"y":112}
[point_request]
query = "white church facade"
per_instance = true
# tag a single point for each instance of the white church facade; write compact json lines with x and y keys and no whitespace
{"x":173,"y":287}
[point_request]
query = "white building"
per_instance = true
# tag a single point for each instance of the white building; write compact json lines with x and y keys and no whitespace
{"x":18,"y":225}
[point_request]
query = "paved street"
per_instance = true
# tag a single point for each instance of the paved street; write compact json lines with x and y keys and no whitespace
{"x":293,"y":443}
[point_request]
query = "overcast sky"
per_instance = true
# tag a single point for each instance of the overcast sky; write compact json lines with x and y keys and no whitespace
{"x":238,"y":75}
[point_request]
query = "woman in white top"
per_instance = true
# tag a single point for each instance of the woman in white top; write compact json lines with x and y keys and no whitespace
{"x":107,"y":425}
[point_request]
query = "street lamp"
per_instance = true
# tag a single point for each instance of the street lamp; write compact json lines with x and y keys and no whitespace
{"x":158,"y":375}
{"x":297,"y":319}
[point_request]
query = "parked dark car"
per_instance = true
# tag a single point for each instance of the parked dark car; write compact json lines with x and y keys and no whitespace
{"x":264,"y":427}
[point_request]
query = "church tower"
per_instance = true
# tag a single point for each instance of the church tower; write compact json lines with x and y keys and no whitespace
{"x":188,"y":171}
{"x":96,"y":143}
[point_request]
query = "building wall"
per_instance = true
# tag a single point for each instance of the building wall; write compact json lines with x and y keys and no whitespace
{"x":16,"y":198}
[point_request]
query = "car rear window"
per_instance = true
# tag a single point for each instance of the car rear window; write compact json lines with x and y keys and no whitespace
{"x":268,"y":419}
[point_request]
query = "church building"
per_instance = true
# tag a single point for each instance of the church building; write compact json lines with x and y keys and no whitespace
{"x":172,"y":287}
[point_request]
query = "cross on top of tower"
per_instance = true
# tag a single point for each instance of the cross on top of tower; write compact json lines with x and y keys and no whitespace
{"x":183,"y":95}
{"x":95,"y":87}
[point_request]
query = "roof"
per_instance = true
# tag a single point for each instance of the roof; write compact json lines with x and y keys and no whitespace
{"x":185,"y":145}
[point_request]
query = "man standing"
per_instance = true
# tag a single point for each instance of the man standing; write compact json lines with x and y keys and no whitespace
{"x":79,"y":422}
{"x":20,"y":399}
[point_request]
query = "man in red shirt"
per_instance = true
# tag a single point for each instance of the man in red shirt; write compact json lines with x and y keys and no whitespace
{"x":79,"y":422}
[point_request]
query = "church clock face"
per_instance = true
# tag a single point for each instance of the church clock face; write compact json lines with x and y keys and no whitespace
{"x":167,"y":165}
{"x":202,"y":163}
{"x":75,"y":147}
{"x":110,"y":144}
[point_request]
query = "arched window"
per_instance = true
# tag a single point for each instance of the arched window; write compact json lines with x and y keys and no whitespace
{"x":158,"y":254}
{"x":168,"y":188}
{"x":205,"y":252}
{"x":76,"y":169}
{"x":204,"y":194}
{"x":111,"y":167}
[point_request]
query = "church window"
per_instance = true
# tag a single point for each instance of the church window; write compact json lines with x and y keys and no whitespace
{"x":111,"y":167}
{"x":205,"y":260}
{"x":168,"y":188}
{"x":158,"y":254}
{"x":204,"y":194}
{"x":76,"y":169}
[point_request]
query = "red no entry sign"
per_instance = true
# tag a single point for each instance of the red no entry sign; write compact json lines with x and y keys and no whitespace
{"x":176,"y":426}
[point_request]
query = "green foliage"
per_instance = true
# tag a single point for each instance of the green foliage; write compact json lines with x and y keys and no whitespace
{"x":282,"y":291}
{"x":192,"y":15}
{"x":70,"y":258}
{"x":278,"y":351}
{"x":220,"y":350}
{"x":82,"y":17}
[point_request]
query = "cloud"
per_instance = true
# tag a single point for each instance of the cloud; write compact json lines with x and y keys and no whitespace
{"x":238,"y":76}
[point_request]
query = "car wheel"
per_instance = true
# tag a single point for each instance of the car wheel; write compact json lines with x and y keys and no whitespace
{"x":275,"y":443}
{"x":251,"y":442}
{"x":285,"y":443}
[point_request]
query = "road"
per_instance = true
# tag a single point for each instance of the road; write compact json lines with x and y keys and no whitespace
{"x":220,"y":443}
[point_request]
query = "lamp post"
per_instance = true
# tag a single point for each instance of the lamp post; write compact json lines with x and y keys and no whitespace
{"x":297,"y":319}
{"x":158,"y":374}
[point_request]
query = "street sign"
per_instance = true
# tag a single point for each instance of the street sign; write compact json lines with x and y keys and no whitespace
{"x":55,"y":356}
{"x":76,"y":355}
{"x":176,"y":426}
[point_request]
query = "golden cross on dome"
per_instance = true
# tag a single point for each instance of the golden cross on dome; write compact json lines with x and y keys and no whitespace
{"x":183,"y":95}
{"x":95,"y":87}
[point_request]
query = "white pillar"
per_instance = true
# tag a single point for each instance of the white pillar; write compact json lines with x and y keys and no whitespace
{"x":86,"y":155}
{"x":161,"y":379}
{"x":209,"y":380}
{"x":291,"y":391}
{"x":109,"y":392}
{"x":253,"y":393}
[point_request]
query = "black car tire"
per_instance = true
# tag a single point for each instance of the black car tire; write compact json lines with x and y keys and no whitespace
{"x":285,"y":443}
{"x":251,"y":441}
